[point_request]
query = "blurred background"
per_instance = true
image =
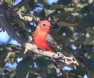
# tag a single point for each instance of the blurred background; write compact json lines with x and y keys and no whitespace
{"x":73,"y":30}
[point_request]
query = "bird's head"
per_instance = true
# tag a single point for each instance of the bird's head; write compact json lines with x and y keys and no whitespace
{"x":44,"y":23}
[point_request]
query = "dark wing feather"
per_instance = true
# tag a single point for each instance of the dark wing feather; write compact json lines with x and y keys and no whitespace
{"x":51,"y":42}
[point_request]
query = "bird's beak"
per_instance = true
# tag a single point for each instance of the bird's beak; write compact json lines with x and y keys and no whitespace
{"x":54,"y":27}
{"x":51,"y":27}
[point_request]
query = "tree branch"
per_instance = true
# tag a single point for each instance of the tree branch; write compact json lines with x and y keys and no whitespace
{"x":10,"y":30}
{"x":67,"y":24}
{"x":30,"y":46}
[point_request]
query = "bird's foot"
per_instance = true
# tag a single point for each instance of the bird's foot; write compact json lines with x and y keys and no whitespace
{"x":57,"y":55}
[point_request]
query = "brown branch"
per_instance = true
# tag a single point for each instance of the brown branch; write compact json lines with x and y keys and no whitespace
{"x":26,"y":1}
{"x":11,"y":31}
{"x":6,"y":24}
{"x":66,"y":24}
{"x":60,"y":56}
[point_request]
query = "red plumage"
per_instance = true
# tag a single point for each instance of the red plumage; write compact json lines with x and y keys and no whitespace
{"x":42,"y":38}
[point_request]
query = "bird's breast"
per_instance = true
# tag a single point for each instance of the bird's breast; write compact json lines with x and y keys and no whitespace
{"x":40,"y":39}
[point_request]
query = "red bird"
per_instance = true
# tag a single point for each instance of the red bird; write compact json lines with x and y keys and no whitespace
{"x":42,"y":38}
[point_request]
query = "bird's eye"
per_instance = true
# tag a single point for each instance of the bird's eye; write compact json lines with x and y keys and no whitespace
{"x":44,"y":24}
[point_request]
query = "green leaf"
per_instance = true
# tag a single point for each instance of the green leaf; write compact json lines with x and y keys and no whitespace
{"x":3,"y":55}
{"x":19,"y":22}
{"x":32,"y":4}
{"x":88,"y":62}
{"x":45,"y":64}
{"x":65,"y":2}
{"x":91,"y":73}
{"x":23,"y":67}
{"x":32,"y":75}
{"x":9,"y":2}
{"x":56,"y":7}
{"x":90,"y":30}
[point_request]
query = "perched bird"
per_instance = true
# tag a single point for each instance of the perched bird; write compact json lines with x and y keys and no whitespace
{"x":42,"y":38}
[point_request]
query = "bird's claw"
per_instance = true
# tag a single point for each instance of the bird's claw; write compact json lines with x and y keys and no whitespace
{"x":57,"y":55}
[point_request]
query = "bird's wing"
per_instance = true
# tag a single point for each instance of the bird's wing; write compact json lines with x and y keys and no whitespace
{"x":51,"y":42}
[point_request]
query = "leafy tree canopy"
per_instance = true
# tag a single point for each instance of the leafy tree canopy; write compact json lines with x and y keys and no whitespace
{"x":73,"y":30}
